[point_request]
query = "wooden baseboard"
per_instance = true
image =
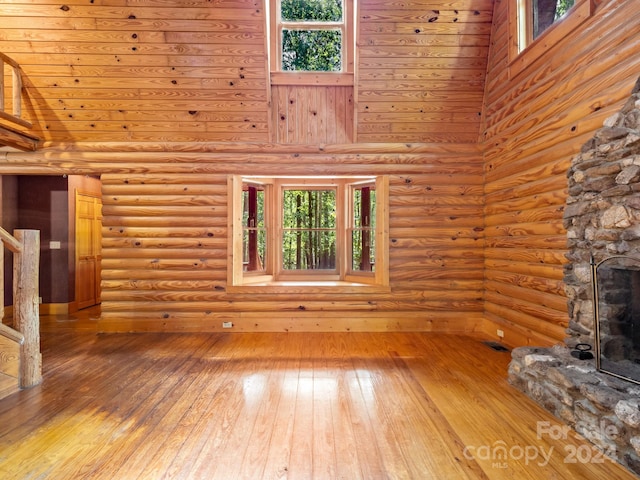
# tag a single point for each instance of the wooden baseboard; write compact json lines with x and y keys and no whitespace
{"x":54,"y":308}
{"x":514,"y":335}
{"x":45,"y":309}
{"x":470,"y":323}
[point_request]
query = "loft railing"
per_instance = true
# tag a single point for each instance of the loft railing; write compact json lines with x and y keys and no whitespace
{"x":16,"y":93}
{"x":9,"y":133}
{"x":26,"y":312}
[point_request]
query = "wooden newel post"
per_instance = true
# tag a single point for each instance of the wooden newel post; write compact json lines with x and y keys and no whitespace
{"x":26,"y":305}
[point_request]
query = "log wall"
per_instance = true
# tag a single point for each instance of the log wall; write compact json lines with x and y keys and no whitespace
{"x":538,"y":113}
{"x":165,"y":236}
{"x":184,"y":92}
{"x":164,"y":99}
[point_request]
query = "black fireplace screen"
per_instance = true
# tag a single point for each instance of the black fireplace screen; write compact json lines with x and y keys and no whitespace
{"x":616,"y":287}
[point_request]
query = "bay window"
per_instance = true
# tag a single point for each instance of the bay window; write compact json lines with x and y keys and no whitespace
{"x":297,"y":230}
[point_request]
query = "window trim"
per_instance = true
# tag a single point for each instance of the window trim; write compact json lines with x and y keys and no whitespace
{"x":350,"y":227}
{"x":521,"y":57}
{"x":347,"y":279}
{"x":342,"y":78}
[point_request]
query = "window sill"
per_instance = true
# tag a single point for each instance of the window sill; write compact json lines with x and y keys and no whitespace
{"x":312,"y":78}
{"x":308,"y":287}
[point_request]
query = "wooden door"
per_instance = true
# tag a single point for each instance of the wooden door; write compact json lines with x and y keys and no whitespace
{"x":88,"y":249}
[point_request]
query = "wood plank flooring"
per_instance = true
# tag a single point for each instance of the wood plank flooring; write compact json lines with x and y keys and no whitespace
{"x":278,"y":405}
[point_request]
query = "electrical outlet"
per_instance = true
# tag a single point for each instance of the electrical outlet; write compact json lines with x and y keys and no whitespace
{"x":227,"y":324}
{"x":39,"y":299}
{"x":500,"y":333}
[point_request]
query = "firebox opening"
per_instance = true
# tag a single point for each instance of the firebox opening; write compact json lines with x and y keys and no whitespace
{"x":617,"y":316}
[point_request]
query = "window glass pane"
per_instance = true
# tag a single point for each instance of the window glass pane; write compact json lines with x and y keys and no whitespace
{"x":254,"y":236}
{"x":311,"y":10}
{"x":363,"y":217}
{"x":254,"y":262}
{"x":312,"y":50}
{"x":309,"y":209}
{"x":362,"y":237}
{"x":546,"y":12}
{"x":363,"y":252}
{"x":309,"y":249}
{"x":322,"y":230}
{"x":309,"y":229}
{"x":258,"y":218}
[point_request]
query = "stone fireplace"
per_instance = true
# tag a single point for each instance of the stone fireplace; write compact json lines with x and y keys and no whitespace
{"x":598,"y":397}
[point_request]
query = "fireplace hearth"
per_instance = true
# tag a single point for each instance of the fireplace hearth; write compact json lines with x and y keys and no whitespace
{"x":602,"y":283}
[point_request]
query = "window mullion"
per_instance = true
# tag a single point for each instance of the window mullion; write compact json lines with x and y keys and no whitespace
{"x":277,"y":233}
{"x":342,"y":230}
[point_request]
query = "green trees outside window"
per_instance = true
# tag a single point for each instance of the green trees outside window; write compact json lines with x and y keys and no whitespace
{"x":311,"y":35}
{"x":309,"y":230}
{"x":311,"y":50}
{"x":254,"y":241}
{"x":363,"y":229}
{"x":546,"y":12}
{"x":311,"y":10}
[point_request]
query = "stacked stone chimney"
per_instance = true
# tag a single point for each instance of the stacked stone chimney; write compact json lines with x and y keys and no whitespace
{"x":602,"y":216}
{"x":602,"y":219}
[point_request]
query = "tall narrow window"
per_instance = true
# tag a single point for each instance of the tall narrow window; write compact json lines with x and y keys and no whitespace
{"x":363,"y":224}
{"x":254,"y":240}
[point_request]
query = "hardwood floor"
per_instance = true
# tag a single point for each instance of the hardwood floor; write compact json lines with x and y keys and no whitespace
{"x":278,"y":405}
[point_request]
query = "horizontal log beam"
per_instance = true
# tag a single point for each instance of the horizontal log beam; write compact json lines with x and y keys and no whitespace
{"x":14,"y":138}
{"x":438,"y":149}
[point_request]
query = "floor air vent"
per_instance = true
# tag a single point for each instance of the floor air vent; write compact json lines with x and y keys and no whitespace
{"x":497,"y":346}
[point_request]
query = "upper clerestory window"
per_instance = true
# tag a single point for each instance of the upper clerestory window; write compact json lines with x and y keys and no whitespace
{"x":536,"y":26}
{"x":538,"y":15}
{"x":312,"y":39}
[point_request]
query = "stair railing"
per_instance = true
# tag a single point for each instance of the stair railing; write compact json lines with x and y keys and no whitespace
{"x":26,"y":305}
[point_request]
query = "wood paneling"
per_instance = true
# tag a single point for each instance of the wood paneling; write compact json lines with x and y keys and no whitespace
{"x":147,"y":70}
{"x":536,"y":119}
{"x":164,"y":71}
{"x":421,"y":69}
{"x":165,"y":230}
{"x":165,"y":233}
{"x":312,"y":114}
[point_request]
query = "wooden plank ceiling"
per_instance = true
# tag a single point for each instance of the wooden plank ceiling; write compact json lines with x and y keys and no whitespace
{"x":163,"y":70}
